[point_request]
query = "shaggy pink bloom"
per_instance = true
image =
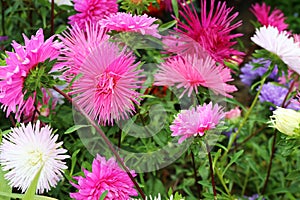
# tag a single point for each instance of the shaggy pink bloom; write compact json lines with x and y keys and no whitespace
{"x":190,"y":72}
{"x":233,"y":113}
{"x":79,"y":44}
{"x":196,"y":121}
{"x":211,"y":30}
{"x":91,"y":11}
{"x":19,"y":63}
{"x":105,"y":176}
{"x":275,"y":18}
{"x":126,"y":22}
{"x":106,"y":91}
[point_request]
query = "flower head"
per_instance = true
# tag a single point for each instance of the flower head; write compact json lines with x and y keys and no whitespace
{"x":20,"y":64}
{"x":106,"y":91}
{"x":126,"y":22}
{"x":27,"y":150}
{"x":105,"y":176}
{"x":233,"y":113}
{"x":285,"y":120}
{"x":196,"y":121}
{"x":91,"y":11}
{"x":211,"y":30}
{"x":279,"y":43}
{"x":266,"y":18}
{"x":79,"y":44}
{"x":190,"y":72}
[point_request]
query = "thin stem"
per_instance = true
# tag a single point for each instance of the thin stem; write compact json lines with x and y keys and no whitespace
{"x":52,"y":17}
{"x":213,"y":184}
{"x":195,"y":175}
{"x":119,"y":138}
{"x":11,"y":118}
{"x":222,"y":181}
{"x":3,"y":17}
{"x":101,"y":133}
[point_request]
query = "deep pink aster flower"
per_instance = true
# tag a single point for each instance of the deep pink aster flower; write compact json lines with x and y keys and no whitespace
{"x":19,"y":63}
{"x":91,"y":11}
{"x":106,"y":91}
{"x":126,"y":22}
{"x":265,"y":17}
{"x":196,"y":121}
{"x":211,"y":30}
{"x":79,"y":44}
{"x":105,"y":176}
{"x":190,"y":72}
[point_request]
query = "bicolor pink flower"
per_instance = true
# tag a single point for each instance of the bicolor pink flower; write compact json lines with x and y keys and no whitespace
{"x":106,"y":90}
{"x":267,"y":18}
{"x":196,"y":121}
{"x":126,"y":22}
{"x":211,"y":30}
{"x":79,"y":43}
{"x":19,"y":64}
{"x":91,"y":11}
{"x":190,"y":72}
{"x":105,"y":176}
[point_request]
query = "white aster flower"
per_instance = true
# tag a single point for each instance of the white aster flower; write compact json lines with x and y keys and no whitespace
{"x":280,"y":44}
{"x":26,"y":150}
{"x":285,"y":120}
{"x":62,"y":2}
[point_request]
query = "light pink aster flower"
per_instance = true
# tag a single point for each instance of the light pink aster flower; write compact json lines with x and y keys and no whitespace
{"x":126,"y":22}
{"x":233,"y":113}
{"x":106,"y":91}
{"x":79,"y":44}
{"x":27,"y":150}
{"x":196,"y":121}
{"x":19,"y":63}
{"x":91,"y":11}
{"x":189,"y":72}
{"x":266,"y":18}
{"x":279,"y":43}
{"x":211,"y":30}
{"x":105,"y":176}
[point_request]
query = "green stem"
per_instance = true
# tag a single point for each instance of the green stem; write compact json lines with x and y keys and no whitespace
{"x":222,"y":181}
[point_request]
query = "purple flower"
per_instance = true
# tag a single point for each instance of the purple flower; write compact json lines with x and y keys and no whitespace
{"x":249,"y":74}
{"x":3,"y":38}
{"x":254,"y":197}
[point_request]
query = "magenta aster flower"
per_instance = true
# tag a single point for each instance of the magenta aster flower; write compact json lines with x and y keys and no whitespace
{"x":211,"y":30}
{"x":190,"y":72}
{"x":106,"y":91}
{"x":91,"y":11}
{"x":105,"y":176}
{"x":19,"y":65}
{"x":79,"y":44}
{"x":196,"y":121}
{"x":265,"y":17}
{"x":126,"y":22}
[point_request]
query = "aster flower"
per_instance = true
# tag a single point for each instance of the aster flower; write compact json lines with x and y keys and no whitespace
{"x":20,"y":64}
{"x":211,"y":30}
{"x":105,"y":176}
{"x":126,"y":22}
{"x":62,"y":2}
{"x":91,"y":11}
{"x":190,"y":72}
{"x":79,"y":43}
{"x":27,"y":150}
{"x":266,"y":18}
{"x":250,"y":73}
{"x":106,"y":91}
{"x":233,"y":113}
{"x":196,"y":121}
{"x":279,"y":43}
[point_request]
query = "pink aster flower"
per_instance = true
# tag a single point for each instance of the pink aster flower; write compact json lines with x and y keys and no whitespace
{"x":91,"y":11}
{"x":126,"y":22}
{"x":106,"y":91}
{"x":196,"y":121}
{"x":79,"y":44}
{"x":19,"y":64}
{"x":189,"y":72}
{"x":266,"y":18}
{"x":211,"y":30}
{"x":105,"y":176}
{"x":233,"y":113}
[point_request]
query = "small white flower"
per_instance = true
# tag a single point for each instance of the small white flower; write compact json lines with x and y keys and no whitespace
{"x":62,"y":2}
{"x":280,"y":44}
{"x":285,"y":120}
{"x":26,"y":150}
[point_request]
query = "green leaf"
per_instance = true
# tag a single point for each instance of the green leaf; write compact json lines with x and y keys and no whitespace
{"x":103,"y":195}
{"x":166,"y":26}
{"x":175,"y":8}
{"x":30,"y":193}
{"x":233,"y":160}
{"x":74,"y":159}
{"x":75,"y":128}
{"x":4,"y":187}
{"x":20,"y":196}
